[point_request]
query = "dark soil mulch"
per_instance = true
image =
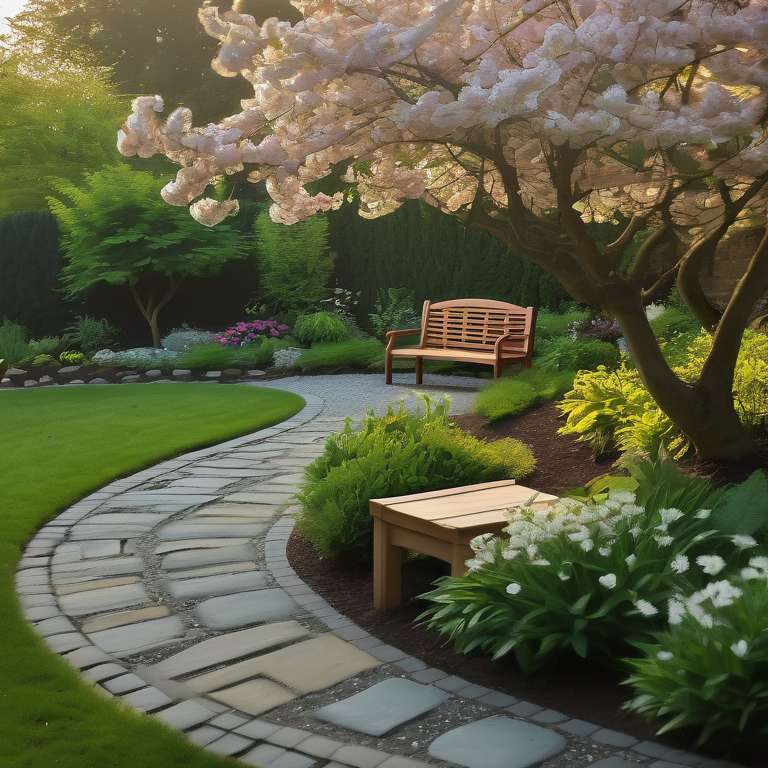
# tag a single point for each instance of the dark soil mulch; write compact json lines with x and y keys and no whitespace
{"x":577,"y":688}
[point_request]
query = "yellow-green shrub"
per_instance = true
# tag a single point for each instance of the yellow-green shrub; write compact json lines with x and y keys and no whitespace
{"x":613,"y":407}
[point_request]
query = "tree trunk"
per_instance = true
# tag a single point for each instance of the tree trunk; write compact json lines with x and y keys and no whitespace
{"x":150,"y":308}
{"x":704,"y":410}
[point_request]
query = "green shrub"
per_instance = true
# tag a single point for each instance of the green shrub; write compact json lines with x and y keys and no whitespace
{"x":709,"y":670}
{"x":614,"y":407}
{"x":504,"y":398}
{"x":13,"y":348}
{"x":565,"y":354}
{"x":49,"y":345}
{"x":550,"y":325}
{"x":44,"y":360}
{"x":393,"y":455}
{"x":355,"y":353}
{"x":217,"y":357}
{"x":394,"y":311}
{"x":587,"y":578}
{"x":184,"y":338}
{"x":92,"y":335}
{"x":673,"y":322}
{"x":320,"y":327}
{"x":72,"y":357}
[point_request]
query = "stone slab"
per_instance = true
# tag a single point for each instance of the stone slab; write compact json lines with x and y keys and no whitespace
{"x":54,"y":626}
{"x":85,"y":586}
{"x":307,"y":666}
{"x":230,"y":744}
{"x":213,"y":570}
{"x":92,"y":570}
{"x":181,"y":544}
{"x":197,"y":557}
{"x":236,"y":513}
{"x":122,"y":618}
{"x":104,"y":672}
{"x":210,"y":586}
{"x":258,"y":498}
{"x":497,"y":742}
{"x":227,"y":648}
{"x":254,"y":696}
{"x":109,"y":599}
{"x":67,"y":641}
{"x":100,"y":548}
{"x":199,"y":530}
{"x":124,"y":684}
{"x":88,"y":656}
{"x":202,"y":482}
{"x":148,"y":699}
{"x":134,"y":638}
{"x":186,"y":714}
{"x":243,"y":608}
{"x":383,"y":706}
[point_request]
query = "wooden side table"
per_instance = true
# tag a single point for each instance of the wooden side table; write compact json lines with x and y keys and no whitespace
{"x":440,"y":524}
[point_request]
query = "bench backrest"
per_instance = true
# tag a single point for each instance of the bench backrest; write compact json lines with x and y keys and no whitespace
{"x":474,"y":324}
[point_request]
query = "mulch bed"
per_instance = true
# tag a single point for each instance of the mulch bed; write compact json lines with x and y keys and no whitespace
{"x":577,"y":688}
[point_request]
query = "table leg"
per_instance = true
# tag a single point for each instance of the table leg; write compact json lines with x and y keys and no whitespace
{"x":386,"y":568}
{"x":461,"y":553}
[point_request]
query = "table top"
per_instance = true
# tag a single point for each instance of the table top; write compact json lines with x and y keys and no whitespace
{"x":466,"y":507}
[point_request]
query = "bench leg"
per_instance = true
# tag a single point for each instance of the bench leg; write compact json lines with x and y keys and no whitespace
{"x":387,"y":368}
{"x":461,"y":553}
{"x":419,"y":370}
{"x":386,"y":568}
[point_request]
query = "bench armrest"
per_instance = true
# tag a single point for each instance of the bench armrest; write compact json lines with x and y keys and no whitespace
{"x":393,"y":336}
{"x":513,"y":337}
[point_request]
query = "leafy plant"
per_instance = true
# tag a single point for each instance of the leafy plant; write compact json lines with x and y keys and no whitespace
{"x":184,"y":338}
{"x":674,"y":321}
{"x":247,"y":332}
{"x":295,"y":264}
{"x":550,"y":325}
{"x":709,"y":670}
{"x":355,"y":353}
{"x":507,"y":397}
{"x":394,"y":310}
{"x":49,"y":345}
{"x":217,"y":357}
{"x":393,"y":455}
{"x":44,"y":360}
{"x":13,"y":348}
{"x":565,"y":354}
{"x":587,"y":578}
{"x":320,"y":327}
{"x":72,"y":357}
{"x":92,"y":335}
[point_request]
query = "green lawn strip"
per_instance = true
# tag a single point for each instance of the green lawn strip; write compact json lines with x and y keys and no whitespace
{"x":513,"y":395}
{"x":56,"y":446}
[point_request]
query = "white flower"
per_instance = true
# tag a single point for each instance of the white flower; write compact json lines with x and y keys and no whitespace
{"x":480,"y":541}
{"x":636,"y":531}
{"x":740,"y":649}
{"x":630,"y":560}
{"x":665,"y":655}
{"x":700,"y":615}
{"x":608,"y":581}
{"x":703,"y":514}
{"x":664,"y":541}
{"x":675,"y":611}
{"x":541,"y":561}
{"x":720,"y":593}
{"x":750,"y":573}
{"x":532,"y":550}
{"x":508,"y":553}
{"x":646,"y":608}
{"x":711,"y":564}
{"x":563,"y":576}
{"x":679,"y":564}
{"x":579,"y":535}
{"x":670,"y":515}
{"x":513,"y":588}
{"x":587,"y":545}
{"x":604,"y":551}
{"x":759,"y":562}
{"x":742,"y":541}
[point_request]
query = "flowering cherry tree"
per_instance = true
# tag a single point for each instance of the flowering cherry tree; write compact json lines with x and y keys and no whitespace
{"x":524,"y":119}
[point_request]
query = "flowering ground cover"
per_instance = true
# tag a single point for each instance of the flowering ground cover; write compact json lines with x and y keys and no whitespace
{"x":57,"y":445}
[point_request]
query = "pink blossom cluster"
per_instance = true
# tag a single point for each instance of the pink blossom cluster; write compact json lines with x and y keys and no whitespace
{"x":452,"y":101}
{"x":244,"y":333}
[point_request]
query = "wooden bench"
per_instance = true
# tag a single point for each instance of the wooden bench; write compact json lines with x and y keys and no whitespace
{"x":440,"y":524}
{"x":468,"y":331}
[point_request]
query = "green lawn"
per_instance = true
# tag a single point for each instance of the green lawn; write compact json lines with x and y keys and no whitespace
{"x":56,"y":446}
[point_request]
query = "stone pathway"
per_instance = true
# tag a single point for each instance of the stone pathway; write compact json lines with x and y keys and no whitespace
{"x":171,"y":590}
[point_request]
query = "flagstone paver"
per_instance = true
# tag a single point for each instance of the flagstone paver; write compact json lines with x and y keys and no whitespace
{"x":150,"y":587}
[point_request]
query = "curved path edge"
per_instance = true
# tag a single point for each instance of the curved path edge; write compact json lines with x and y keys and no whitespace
{"x":171,"y":591}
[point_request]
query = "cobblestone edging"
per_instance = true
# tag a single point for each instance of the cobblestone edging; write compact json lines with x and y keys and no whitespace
{"x":171,"y":590}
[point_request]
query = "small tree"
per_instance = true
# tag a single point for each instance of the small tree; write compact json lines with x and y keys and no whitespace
{"x":528,"y":119}
{"x":117,"y":230}
{"x":294,"y":263}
